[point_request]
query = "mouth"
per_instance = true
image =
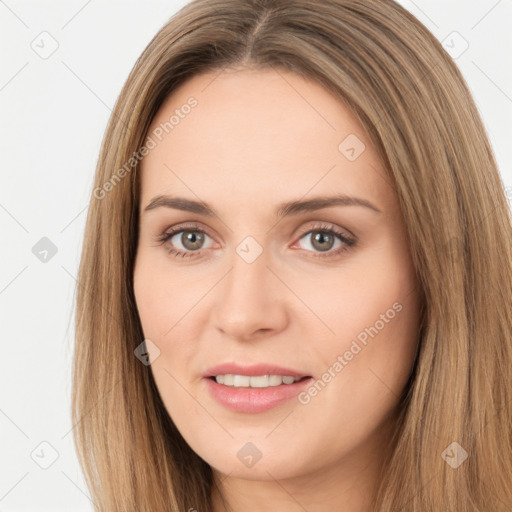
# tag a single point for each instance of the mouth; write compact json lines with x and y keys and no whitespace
{"x":251,"y":394}
{"x":256,"y":381}
{"x":255,"y":388}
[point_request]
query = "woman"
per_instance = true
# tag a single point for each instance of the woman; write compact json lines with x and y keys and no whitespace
{"x":296,"y":275}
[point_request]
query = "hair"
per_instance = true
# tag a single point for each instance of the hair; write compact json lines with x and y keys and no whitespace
{"x":411,"y":98}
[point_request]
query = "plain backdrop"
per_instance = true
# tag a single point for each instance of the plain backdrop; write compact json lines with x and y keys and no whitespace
{"x":63,"y":66}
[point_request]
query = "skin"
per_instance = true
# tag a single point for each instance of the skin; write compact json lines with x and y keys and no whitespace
{"x":258,"y":138}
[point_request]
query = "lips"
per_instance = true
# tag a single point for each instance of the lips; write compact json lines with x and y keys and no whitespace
{"x":253,"y":370}
{"x":250,"y":400}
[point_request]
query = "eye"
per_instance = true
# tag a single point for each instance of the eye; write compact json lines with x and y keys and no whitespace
{"x":325,"y":238}
{"x":190,"y":238}
{"x":188,"y":241}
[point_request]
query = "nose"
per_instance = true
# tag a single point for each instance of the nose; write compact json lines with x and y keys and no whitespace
{"x":251,"y":301}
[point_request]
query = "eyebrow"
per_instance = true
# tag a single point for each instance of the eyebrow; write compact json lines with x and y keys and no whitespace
{"x":283,"y":210}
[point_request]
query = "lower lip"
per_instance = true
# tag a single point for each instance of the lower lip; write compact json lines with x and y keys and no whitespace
{"x":253,"y":400}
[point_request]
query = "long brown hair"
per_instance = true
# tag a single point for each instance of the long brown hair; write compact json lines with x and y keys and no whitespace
{"x":406,"y":90}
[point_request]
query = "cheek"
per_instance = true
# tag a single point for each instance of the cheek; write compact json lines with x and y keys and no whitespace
{"x":375,"y":291}
{"x":371,"y":312}
{"x":165,"y":300}
{"x":150,"y":300}
{"x":163,"y":308}
{"x":366,"y":363}
{"x":172,"y":317}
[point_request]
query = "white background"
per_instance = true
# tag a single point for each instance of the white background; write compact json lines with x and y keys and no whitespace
{"x":53,"y":115}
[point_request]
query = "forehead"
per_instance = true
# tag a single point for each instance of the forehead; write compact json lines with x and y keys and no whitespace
{"x":254,"y":134}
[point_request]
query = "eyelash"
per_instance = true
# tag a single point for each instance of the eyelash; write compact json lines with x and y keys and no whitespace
{"x":324,"y":229}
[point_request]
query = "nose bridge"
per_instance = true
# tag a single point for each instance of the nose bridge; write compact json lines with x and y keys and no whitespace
{"x":249,"y":300}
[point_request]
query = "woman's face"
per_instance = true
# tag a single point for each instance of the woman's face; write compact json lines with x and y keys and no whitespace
{"x":292,"y":253}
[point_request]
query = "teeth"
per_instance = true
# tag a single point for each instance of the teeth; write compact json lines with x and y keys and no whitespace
{"x":260,"y":381}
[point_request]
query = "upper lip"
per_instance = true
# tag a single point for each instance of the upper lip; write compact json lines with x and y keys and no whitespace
{"x":252,"y":370}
